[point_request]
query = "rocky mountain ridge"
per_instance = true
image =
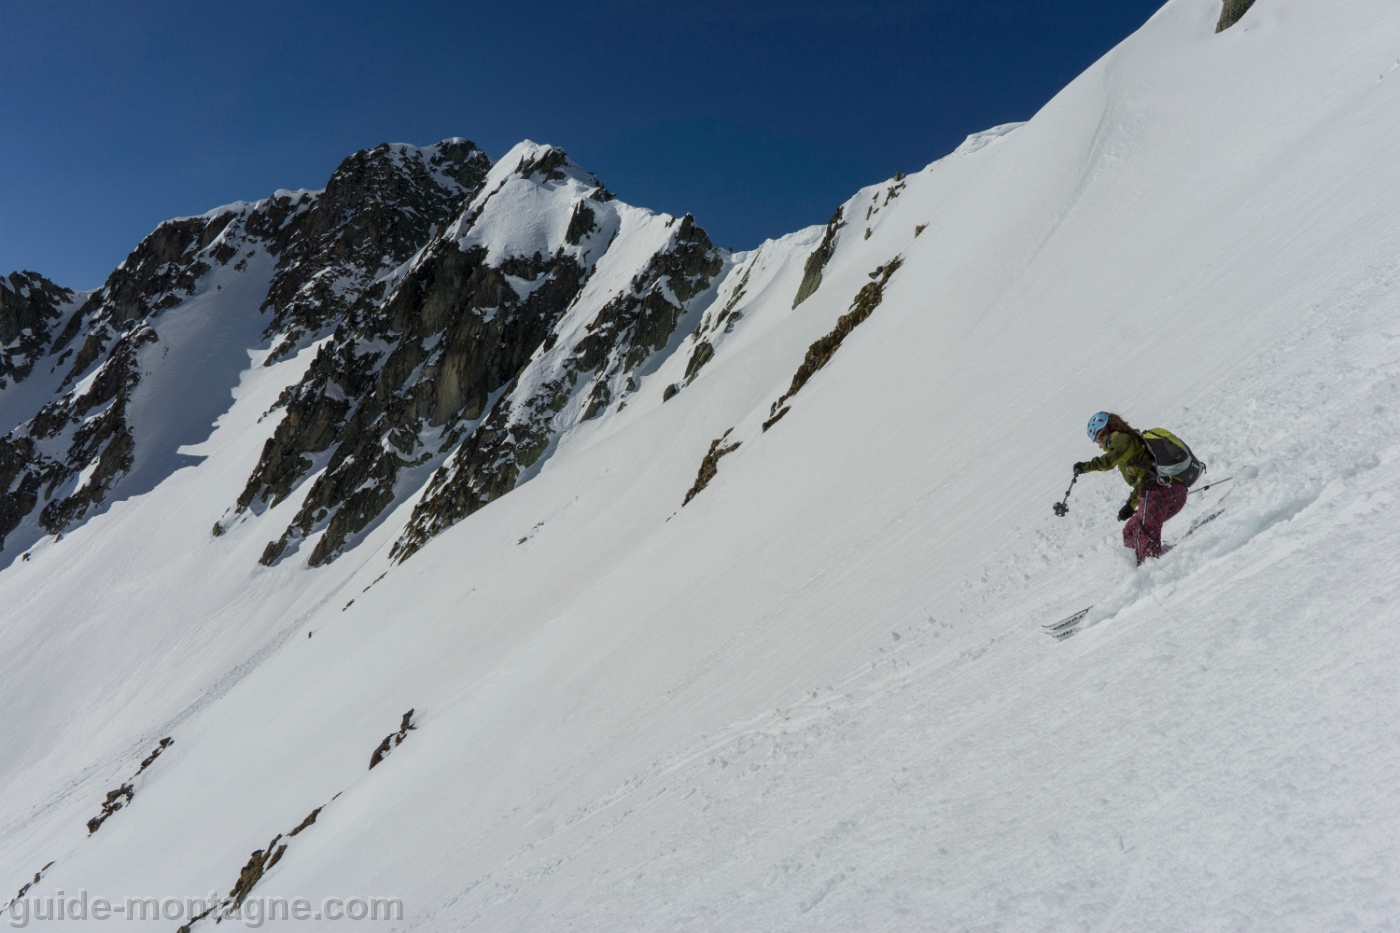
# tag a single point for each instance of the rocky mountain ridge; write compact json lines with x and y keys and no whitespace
{"x":464,"y":316}
{"x":322,"y":254}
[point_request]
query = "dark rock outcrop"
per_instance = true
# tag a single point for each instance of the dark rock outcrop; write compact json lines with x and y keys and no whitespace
{"x":116,"y":799}
{"x":1231,"y":12}
{"x":86,"y":431}
{"x":776,"y":417}
{"x":30,"y":308}
{"x":711,"y":328}
{"x":155,"y":753}
{"x":703,"y":353}
{"x":391,"y":741}
{"x":380,"y":207}
{"x":709,"y":466}
{"x":821,"y":351}
{"x":402,"y":386}
{"x":259,"y":864}
{"x":586,"y":374}
{"x":381,"y":396}
{"x":38,"y":876}
{"x":309,"y":821}
{"x":812,"y":272}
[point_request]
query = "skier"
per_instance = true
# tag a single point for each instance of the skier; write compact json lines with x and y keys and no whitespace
{"x":1152,"y":501}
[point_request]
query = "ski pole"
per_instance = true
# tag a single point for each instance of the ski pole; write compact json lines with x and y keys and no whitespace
{"x":1061,"y":509}
{"x":1216,"y":483}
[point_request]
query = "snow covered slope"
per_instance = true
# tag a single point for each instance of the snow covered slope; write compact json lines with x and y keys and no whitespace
{"x":816,"y":696}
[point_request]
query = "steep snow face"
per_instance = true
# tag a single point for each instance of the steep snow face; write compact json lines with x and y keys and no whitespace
{"x":526,"y":207}
{"x":67,"y":458}
{"x":818,"y":695}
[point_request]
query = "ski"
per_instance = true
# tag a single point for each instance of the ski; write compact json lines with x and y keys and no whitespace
{"x":1201,"y":521}
{"x":1066,"y":627}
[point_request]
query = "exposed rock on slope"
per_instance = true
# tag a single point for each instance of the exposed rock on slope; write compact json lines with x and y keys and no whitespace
{"x":710,"y":325}
{"x":657,"y":271}
{"x":812,"y":273}
{"x":378,"y":209}
{"x":391,"y":741}
{"x":1231,"y":13}
{"x":820,"y":352}
{"x":38,"y":876}
{"x":753,"y":274}
{"x":116,"y":799}
{"x":332,"y":250}
{"x":401,"y":386}
{"x":75,"y":448}
{"x":30,"y":308}
{"x":502,"y":288}
{"x":709,"y":467}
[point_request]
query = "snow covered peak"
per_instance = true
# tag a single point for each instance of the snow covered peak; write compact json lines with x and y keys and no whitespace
{"x":527,"y":159}
{"x":541,"y":261}
{"x":528,"y":205}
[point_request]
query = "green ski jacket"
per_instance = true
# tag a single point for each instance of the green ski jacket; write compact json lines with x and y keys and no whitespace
{"x":1130,"y":456}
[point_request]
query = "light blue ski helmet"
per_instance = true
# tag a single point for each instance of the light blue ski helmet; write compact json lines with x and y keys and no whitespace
{"x":1097,"y":424}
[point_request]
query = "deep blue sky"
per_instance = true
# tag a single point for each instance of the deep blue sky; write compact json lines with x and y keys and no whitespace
{"x":757,"y":117}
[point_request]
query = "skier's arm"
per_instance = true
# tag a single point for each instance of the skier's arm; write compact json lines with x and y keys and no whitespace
{"x":1120,"y":447}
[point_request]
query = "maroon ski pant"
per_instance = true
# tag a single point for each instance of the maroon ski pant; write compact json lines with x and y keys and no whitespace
{"x":1143,"y":532}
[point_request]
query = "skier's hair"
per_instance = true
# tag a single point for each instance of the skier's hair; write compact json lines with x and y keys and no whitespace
{"x":1116,"y":425}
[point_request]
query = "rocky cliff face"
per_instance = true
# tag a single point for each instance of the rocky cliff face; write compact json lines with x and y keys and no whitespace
{"x":473,"y":350}
{"x":319,"y":255}
{"x":378,"y":209}
{"x":586,"y":364}
{"x":31,"y":308}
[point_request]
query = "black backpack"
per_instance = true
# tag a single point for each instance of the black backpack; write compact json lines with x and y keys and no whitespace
{"x":1171,"y":458}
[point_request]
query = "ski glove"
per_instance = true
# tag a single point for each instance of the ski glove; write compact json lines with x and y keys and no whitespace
{"x":1079,"y":468}
{"x":1126,"y":512}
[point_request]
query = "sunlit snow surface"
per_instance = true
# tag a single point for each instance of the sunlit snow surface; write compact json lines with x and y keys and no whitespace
{"x":819,"y":697}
